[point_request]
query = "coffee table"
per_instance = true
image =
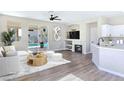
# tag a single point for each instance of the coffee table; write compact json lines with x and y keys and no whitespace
{"x":37,"y":61}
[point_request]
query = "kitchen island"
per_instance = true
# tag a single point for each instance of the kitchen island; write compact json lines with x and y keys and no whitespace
{"x":109,"y":58}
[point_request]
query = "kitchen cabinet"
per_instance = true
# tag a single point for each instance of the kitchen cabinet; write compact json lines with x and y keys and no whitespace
{"x":106,"y":30}
{"x":109,"y":59}
{"x":117,"y":31}
{"x":112,"y":30}
{"x":95,"y":54}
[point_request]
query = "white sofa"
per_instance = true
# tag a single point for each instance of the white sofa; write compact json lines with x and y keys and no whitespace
{"x":22,"y":56}
{"x":9,"y":65}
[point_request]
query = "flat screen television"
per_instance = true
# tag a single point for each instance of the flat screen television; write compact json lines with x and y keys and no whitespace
{"x":74,"y":35}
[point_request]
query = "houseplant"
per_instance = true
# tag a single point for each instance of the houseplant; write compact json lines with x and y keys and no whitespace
{"x":8,"y":37}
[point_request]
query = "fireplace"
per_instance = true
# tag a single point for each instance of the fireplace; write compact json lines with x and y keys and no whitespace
{"x":78,"y":48}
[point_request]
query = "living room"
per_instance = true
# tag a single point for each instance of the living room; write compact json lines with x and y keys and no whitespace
{"x":54,"y":42}
{"x":21,"y":43}
{"x":64,"y":46}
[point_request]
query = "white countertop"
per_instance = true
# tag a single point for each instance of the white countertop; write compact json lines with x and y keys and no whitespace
{"x":115,"y":46}
{"x":118,"y":47}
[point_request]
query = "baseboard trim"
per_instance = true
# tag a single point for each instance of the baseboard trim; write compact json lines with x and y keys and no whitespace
{"x":110,"y":71}
{"x":86,"y":52}
{"x":58,"y":49}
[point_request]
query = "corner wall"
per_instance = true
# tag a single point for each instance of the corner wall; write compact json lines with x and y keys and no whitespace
{"x":84,"y":31}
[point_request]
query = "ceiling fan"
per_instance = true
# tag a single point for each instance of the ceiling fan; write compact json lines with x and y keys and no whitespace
{"x":52,"y":18}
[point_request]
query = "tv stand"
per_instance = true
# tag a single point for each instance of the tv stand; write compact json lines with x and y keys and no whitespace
{"x":70,"y":44}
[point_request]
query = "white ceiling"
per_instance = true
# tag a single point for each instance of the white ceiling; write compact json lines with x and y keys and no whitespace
{"x":66,"y":16}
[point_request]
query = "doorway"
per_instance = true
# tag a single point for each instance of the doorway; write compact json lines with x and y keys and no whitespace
{"x":91,"y":35}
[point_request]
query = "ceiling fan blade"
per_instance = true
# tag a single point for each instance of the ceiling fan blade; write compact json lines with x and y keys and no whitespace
{"x":51,"y":18}
{"x":54,"y":17}
{"x":57,"y":19}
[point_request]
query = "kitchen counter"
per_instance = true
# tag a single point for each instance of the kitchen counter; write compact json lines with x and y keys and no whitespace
{"x":120,"y":47}
{"x":109,"y":58}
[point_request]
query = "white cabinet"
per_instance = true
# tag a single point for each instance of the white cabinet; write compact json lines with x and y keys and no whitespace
{"x":108,"y":59}
{"x":111,"y":60}
{"x":117,"y":31}
{"x":106,"y":30}
{"x":70,"y":44}
{"x":95,"y":54}
{"x":113,"y":31}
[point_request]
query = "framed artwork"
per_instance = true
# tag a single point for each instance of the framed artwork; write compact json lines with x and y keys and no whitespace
{"x":57,"y":33}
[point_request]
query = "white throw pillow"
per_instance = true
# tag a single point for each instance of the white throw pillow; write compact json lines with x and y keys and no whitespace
{"x":1,"y":49}
{"x":1,"y":55}
{"x":11,"y":53}
{"x":10,"y":50}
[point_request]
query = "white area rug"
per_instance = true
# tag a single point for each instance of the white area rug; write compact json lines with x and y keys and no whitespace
{"x":70,"y":77}
{"x":27,"y":69}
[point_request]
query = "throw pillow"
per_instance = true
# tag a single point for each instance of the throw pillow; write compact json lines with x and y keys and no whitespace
{"x":1,"y":49}
{"x":3,"y":53}
{"x":10,"y":50}
{"x":11,"y":53}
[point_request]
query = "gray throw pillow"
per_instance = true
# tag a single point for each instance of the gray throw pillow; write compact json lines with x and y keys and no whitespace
{"x":3,"y":53}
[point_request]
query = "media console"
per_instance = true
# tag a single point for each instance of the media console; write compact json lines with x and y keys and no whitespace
{"x":71,"y":43}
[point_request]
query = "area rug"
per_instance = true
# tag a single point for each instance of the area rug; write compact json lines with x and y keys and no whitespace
{"x":27,"y":69}
{"x":70,"y":77}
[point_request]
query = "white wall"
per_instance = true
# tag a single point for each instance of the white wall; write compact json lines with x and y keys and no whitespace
{"x":84,"y":30}
{"x":91,"y":34}
{"x":53,"y":44}
{"x":116,"y":20}
{"x":25,"y":22}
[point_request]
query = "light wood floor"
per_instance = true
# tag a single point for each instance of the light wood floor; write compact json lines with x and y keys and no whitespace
{"x":80,"y":66}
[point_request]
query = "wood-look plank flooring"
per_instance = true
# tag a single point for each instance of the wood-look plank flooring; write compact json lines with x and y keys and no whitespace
{"x":80,"y":66}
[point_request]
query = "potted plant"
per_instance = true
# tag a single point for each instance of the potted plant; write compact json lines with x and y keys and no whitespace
{"x":8,"y":37}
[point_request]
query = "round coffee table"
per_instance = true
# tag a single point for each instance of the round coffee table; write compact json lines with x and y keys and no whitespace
{"x":37,"y":61}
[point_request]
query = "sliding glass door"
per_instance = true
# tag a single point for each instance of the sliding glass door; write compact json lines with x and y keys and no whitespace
{"x":38,"y":37}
